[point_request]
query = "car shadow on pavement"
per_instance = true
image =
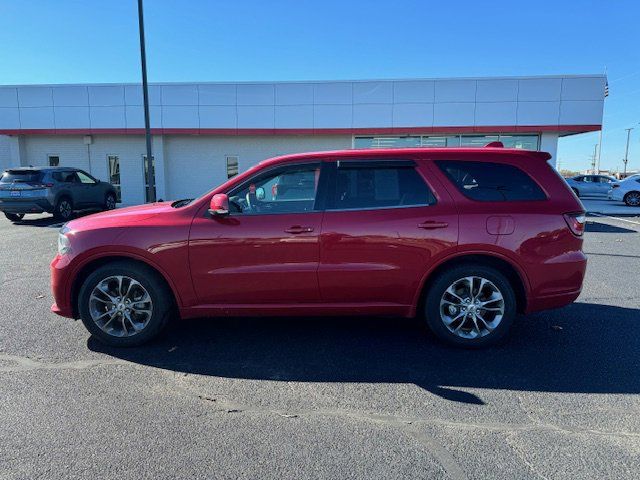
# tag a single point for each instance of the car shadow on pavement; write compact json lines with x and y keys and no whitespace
{"x":598,"y":227}
{"x":50,"y":221}
{"x":582,"y":348}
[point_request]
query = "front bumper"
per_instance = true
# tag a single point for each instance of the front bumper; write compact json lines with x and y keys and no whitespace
{"x":60,"y":287}
{"x":25,"y":205}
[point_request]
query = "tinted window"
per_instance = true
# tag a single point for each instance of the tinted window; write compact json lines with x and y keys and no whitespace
{"x":24,"y":176}
{"x":378,"y":187}
{"x":290,"y":189}
{"x":491,"y":182}
{"x":65,"y":177}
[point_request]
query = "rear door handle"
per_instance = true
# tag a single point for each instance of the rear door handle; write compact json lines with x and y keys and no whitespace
{"x":430,"y":225}
{"x":299,"y":229}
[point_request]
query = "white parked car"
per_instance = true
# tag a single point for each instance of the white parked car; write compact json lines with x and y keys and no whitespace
{"x":627,"y":191}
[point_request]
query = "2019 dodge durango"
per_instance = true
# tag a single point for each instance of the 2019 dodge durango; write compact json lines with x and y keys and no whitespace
{"x":463,"y":238}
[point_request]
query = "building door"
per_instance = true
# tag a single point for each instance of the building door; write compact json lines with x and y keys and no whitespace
{"x":113,"y":168}
{"x":145,"y":171}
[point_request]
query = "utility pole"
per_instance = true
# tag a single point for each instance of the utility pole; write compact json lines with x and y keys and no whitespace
{"x":593,"y":159}
{"x":626,"y":152}
{"x":145,"y":93}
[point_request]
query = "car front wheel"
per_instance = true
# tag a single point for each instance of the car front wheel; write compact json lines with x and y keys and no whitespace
{"x":14,"y":217}
{"x":632,"y":199}
{"x":470,"y":306}
{"x":124,"y":304}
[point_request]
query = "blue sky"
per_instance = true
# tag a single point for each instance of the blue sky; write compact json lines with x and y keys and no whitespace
{"x":97,"y":41}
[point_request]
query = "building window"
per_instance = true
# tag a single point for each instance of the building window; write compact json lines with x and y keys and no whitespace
{"x":527,"y":142}
{"x":113,"y":167}
{"x":146,"y":177}
{"x":54,"y":160}
{"x":232,"y":165}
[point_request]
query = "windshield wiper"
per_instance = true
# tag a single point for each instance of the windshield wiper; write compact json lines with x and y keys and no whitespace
{"x":182,"y":203}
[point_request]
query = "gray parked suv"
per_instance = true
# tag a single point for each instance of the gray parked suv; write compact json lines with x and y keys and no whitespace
{"x":57,"y":190}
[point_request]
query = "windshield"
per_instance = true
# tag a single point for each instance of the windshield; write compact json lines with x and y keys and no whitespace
{"x":23,"y":176}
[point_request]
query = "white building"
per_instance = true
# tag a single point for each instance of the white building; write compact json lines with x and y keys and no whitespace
{"x":204,"y":132}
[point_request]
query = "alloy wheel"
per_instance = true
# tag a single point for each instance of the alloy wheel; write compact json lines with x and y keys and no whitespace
{"x":472,"y":307}
{"x":633,"y":199}
{"x":120,"y":306}
{"x":65,"y":209}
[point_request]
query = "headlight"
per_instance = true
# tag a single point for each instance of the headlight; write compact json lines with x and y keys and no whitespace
{"x":64,"y":245}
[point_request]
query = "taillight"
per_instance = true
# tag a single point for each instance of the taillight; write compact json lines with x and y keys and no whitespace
{"x":576,"y":222}
{"x":42,"y":185}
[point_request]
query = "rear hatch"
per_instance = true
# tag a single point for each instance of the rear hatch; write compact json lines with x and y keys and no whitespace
{"x":23,"y":184}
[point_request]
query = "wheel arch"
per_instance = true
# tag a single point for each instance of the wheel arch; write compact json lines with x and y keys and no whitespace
{"x":90,"y":265}
{"x":514,"y":274}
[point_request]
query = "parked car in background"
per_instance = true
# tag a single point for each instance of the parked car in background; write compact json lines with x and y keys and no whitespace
{"x":462,"y":238}
{"x":583,"y":185}
{"x":627,"y":191}
{"x":57,"y":190}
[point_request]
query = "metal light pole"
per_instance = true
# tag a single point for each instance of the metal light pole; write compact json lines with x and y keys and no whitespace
{"x":626,"y":153}
{"x":145,"y":94}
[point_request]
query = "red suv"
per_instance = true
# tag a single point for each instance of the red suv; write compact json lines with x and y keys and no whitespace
{"x":464,"y":238}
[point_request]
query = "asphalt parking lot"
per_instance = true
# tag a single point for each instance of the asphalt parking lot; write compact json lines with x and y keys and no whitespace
{"x":322,"y":398}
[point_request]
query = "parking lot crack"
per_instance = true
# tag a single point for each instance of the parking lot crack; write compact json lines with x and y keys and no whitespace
{"x":21,"y":364}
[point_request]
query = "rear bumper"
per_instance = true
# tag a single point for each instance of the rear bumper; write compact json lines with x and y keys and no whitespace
{"x":60,"y":287}
{"x":25,"y":205}
{"x":561,"y":282}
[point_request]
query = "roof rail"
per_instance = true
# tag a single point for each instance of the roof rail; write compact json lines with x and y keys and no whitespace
{"x":494,"y":145}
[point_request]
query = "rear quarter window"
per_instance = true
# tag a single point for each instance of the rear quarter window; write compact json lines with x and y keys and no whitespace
{"x":491,"y":182}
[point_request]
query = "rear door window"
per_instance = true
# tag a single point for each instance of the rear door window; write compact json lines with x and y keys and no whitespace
{"x":378,"y":184}
{"x":491,"y":182}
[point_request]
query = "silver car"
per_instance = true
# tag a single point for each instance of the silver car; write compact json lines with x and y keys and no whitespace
{"x":57,"y":190}
{"x":585,"y":185}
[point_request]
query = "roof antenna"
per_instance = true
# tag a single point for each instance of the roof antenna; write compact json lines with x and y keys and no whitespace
{"x":494,"y":145}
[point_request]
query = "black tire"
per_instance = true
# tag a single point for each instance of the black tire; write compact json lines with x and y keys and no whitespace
{"x":110,"y":201}
{"x":14,"y":217}
{"x":63,"y":209}
{"x":632,"y":199}
{"x":575,"y":190}
{"x":447,"y":278}
{"x":161,"y":296}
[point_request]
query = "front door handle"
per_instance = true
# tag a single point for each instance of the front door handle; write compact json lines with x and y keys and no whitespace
{"x":430,"y":225}
{"x":299,"y":229}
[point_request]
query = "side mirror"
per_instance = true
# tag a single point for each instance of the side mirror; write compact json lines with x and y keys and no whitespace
{"x":219,"y":205}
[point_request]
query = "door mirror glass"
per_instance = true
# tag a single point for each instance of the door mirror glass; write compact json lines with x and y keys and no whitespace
{"x":219,"y":205}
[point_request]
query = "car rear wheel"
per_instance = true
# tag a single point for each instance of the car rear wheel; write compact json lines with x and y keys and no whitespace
{"x":64,"y":209}
{"x":14,"y":217}
{"x":632,"y":199}
{"x":124,"y":304}
{"x":470,"y":306}
{"x":110,"y":201}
